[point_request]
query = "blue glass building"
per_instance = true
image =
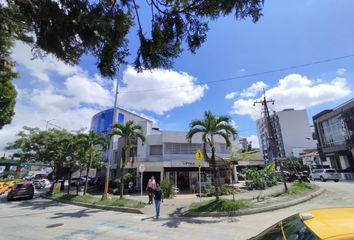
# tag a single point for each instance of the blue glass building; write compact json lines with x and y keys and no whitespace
{"x":102,"y":121}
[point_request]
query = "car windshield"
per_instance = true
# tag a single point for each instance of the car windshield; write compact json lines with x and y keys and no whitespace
{"x":330,"y":171}
{"x":291,"y":228}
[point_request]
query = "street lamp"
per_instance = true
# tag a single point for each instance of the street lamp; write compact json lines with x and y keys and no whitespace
{"x":115,"y":111}
{"x":47,"y":123}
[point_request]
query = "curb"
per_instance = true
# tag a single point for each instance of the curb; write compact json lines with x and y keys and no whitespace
{"x":102,"y":207}
{"x":255,"y":210}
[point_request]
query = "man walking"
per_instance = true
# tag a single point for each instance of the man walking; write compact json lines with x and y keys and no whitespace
{"x":151,"y":188}
{"x":158,"y":198}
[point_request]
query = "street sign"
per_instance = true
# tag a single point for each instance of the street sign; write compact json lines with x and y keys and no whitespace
{"x":199,"y":157}
{"x":141,"y":168}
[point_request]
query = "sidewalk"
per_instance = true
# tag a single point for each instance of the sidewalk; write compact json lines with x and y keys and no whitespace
{"x":179,"y":204}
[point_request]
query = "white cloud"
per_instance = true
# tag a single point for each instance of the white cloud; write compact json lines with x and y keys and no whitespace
{"x":230,"y":95}
{"x":298,"y":92}
{"x":87,"y":90}
{"x":254,"y":140}
{"x":159,"y":90}
{"x":242,"y":70}
{"x":41,"y":68}
{"x":254,"y":89}
{"x":341,"y":71}
{"x":168,"y":115}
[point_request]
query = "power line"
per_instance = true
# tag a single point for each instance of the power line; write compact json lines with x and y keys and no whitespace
{"x":248,"y":75}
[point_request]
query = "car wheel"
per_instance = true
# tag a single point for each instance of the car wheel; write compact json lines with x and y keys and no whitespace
{"x":322,"y":179}
{"x":9,"y":199}
{"x":336,"y":180}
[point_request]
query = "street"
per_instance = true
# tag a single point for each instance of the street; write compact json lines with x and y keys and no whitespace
{"x":45,"y":219}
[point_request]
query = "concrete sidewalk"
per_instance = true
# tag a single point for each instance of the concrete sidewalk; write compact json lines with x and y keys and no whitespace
{"x":179,"y":204}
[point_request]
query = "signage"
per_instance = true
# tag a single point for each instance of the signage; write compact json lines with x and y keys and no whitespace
{"x":199,"y":157}
{"x":141,"y":168}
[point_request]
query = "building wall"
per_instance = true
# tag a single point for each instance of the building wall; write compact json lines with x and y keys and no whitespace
{"x":333,"y":136}
{"x":295,"y":130}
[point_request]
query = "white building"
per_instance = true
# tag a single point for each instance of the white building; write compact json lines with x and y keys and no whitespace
{"x":292,"y":133}
{"x":165,"y":154}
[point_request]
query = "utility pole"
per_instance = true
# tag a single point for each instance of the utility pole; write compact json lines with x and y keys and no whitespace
{"x":272,"y":146}
{"x":111,"y":155}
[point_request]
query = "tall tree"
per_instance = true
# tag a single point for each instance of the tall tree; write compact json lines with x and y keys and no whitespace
{"x":211,"y":126}
{"x":69,"y":29}
{"x":89,"y":142}
{"x":130,"y":132}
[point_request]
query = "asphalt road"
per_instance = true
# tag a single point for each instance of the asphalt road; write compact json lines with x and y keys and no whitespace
{"x":45,"y":219}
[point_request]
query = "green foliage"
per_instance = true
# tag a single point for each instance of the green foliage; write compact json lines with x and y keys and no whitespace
{"x":166,"y":187}
{"x":70,"y":29}
{"x":15,"y":174}
{"x":222,"y":205}
{"x":127,"y":178}
{"x":8,"y":95}
{"x":224,"y":190}
{"x":260,"y":179}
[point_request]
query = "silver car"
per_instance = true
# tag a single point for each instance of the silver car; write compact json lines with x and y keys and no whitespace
{"x":324,"y":175}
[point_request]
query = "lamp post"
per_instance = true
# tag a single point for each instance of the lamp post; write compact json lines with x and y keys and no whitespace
{"x":47,"y":123}
{"x":115,"y":111}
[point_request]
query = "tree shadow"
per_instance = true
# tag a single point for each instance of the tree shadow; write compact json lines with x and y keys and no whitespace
{"x":177,"y":217}
{"x":78,"y":214}
{"x":36,"y":204}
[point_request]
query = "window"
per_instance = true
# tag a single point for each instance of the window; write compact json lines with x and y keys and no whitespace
{"x":291,"y":228}
{"x":156,"y":150}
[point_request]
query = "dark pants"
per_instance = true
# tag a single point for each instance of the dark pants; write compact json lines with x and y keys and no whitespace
{"x":151,"y":194}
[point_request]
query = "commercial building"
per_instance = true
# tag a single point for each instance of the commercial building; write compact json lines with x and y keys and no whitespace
{"x":334,"y":129}
{"x":165,"y":154}
{"x":291,"y":131}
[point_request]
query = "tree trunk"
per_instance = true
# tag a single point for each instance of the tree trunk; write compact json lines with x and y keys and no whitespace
{"x":88,"y":169}
{"x":121,"y":181}
{"x":216,"y":184}
{"x":69,"y":181}
{"x":77,"y":183}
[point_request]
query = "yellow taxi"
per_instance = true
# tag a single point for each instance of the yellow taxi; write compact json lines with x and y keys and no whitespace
{"x":327,"y":223}
{"x":3,"y":187}
{"x":10,"y":184}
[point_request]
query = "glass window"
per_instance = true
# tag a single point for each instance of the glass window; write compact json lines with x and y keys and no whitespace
{"x":156,"y":150}
{"x":291,"y":228}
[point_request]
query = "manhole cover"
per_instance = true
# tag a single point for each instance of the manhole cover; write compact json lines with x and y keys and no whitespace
{"x":55,"y":225}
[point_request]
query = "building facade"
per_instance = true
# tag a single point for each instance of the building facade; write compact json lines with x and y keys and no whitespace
{"x":165,"y":154}
{"x":334,"y":130}
{"x":291,"y":131}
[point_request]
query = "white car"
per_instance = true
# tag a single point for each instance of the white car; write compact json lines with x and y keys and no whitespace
{"x":324,"y":175}
{"x":41,"y":183}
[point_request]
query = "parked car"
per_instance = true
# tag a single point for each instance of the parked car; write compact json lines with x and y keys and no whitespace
{"x":324,"y":175}
{"x":75,"y":180}
{"x":328,"y":223}
{"x":21,"y":190}
{"x":41,"y":183}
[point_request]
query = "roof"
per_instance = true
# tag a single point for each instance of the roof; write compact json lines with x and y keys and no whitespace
{"x":332,"y":223}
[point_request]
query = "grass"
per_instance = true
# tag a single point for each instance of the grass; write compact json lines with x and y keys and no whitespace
{"x":294,"y":188}
{"x":97,"y":201}
{"x":223,"y":205}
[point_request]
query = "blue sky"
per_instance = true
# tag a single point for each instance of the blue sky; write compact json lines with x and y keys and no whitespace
{"x":290,"y":33}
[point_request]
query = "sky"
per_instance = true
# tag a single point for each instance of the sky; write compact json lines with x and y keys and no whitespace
{"x":226,"y":75}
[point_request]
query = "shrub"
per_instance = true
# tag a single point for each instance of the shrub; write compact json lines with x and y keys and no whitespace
{"x":260,"y":179}
{"x":127,"y":178}
{"x":166,"y":187}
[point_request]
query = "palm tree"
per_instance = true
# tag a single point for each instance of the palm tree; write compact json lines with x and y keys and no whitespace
{"x":130,"y":132}
{"x":211,"y":126}
{"x":89,"y":142}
